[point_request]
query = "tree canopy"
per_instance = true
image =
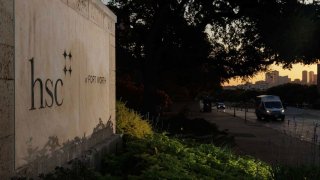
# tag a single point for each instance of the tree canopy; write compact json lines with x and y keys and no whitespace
{"x":200,"y":43}
{"x":289,"y":28}
{"x":293,"y":94}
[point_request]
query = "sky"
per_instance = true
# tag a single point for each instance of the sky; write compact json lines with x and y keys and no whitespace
{"x":294,"y":73}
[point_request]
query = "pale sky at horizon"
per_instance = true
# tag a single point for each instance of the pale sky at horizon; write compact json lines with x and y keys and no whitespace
{"x":294,"y":73}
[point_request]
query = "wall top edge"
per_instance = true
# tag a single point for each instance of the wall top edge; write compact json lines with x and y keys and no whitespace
{"x":105,"y":9}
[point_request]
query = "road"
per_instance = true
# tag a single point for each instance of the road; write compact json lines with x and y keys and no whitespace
{"x":301,"y":123}
{"x":275,"y":145}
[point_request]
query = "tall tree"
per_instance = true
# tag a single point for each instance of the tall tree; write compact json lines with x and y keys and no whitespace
{"x":204,"y":42}
{"x":288,"y":28}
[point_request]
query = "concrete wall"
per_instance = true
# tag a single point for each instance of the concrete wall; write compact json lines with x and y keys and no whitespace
{"x":6,"y":88}
{"x":57,"y":74}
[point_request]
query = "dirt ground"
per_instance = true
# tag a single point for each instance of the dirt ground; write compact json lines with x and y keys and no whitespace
{"x":256,"y":140}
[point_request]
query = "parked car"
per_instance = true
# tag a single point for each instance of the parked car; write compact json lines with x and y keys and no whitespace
{"x":220,"y":105}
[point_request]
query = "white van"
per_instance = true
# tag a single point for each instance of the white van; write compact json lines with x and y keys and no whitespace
{"x":269,"y":106}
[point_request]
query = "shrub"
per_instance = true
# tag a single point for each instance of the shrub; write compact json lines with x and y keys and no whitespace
{"x":133,"y":94}
{"x":161,"y":157}
{"x":130,"y":92}
{"x":194,"y":129}
{"x":300,"y":172}
{"x":131,"y":123}
{"x":77,"y":170}
{"x":163,"y":100}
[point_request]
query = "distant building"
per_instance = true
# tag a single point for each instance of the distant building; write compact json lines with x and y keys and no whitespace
{"x":272,"y":78}
{"x":283,"y":80}
{"x":311,"y":74}
{"x":304,"y":77}
{"x":311,"y":77}
{"x":297,"y":81}
{"x":269,"y":78}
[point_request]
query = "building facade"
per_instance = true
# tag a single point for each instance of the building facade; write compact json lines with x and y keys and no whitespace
{"x":304,"y":77}
{"x":311,"y":77}
{"x":272,"y":78}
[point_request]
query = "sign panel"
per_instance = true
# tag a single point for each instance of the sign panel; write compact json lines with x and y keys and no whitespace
{"x":62,"y":75}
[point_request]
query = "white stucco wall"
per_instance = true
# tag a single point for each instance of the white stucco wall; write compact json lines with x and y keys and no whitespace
{"x":51,"y":35}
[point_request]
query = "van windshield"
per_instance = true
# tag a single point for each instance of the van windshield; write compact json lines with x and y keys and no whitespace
{"x":273,"y":104}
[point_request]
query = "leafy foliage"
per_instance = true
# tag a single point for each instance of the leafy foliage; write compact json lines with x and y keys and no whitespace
{"x":78,"y":170}
{"x":301,"y":172}
{"x":157,"y":156}
{"x":196,"y":45}
{"x":132,"y":93}
{"x":131,"y":123}
{"x":293,"y":94}
{"x":171,"y":37}
{"x":289,"y":28}
{"x":217,"y":39}
{"x":129,"y":92}
{"x":239,"y":95}
{"x":160,"y":157}
{"x":197,"y":129}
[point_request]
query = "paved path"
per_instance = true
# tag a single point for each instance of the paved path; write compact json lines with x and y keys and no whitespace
{"x":257,"y":140}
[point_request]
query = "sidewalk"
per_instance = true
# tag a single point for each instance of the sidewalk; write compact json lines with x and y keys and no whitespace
{"x":259,"y":141}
